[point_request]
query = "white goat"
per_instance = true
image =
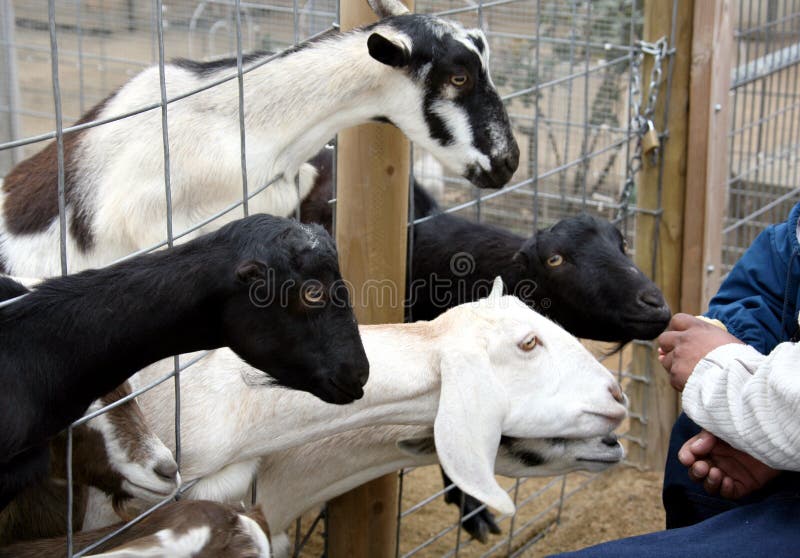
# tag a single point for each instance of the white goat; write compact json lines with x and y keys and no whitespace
{"x":481,"y":370}
{"x":427,"y":75}
{"x":293,"y":481}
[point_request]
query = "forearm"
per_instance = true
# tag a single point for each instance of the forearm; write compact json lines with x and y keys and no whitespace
{"x":750,"y":400}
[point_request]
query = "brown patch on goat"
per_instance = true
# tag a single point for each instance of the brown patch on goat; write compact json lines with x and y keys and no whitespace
{"x":315,"y":207}
{"x":128,"y":423}
{"x":40,"y":511}
{"x":257,"y":514}
{"x":227,"y":539}
{"x":31,"y":189}
{"x":91,"y":462}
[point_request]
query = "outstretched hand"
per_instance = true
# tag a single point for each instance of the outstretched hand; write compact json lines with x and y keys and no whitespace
{"x":722,"y":469}
{"x":686,"y":341}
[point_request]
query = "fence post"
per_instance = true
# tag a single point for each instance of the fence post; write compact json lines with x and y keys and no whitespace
{"x":371,"y":234}
{"x":707,"y":164}
{"x":659,"y":230}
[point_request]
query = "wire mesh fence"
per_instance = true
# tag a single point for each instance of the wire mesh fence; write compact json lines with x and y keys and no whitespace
{"x":763,"y":151}
{"x":564,"y":69}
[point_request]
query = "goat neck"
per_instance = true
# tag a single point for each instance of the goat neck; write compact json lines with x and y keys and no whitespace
{"x":168,"y":309}
{"x":337,"y":75}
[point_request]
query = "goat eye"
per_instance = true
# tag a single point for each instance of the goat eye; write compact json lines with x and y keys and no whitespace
{"x":458,"y":80}
{"x":555,"y":260}
{"x":528,"y":343}
{"x":313,"y":295}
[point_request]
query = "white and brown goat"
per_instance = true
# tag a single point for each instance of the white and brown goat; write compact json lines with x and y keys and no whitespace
{"x":427,"y":75}
{"x":115,"y":452}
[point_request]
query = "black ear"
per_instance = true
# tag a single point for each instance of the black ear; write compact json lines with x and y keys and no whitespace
{"x":520,"y":259}
{"x":387,"y":52}
{"x":251,"y":270}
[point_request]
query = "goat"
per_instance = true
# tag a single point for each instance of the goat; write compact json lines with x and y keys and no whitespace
{"x":481,"y":370}
{"x":576,"y":272}
{"x":245,"y":286}
{"x":181,"y":529}
{"x":293,"y":481}
{"x":115,"y":452}
{"x":427,"y":75}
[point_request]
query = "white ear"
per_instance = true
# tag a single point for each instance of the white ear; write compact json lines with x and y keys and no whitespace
{"x":472,"y":407}
{"x":386,"y":8}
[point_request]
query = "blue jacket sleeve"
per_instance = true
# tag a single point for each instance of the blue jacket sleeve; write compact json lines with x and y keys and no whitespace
{"x":751,"y":302}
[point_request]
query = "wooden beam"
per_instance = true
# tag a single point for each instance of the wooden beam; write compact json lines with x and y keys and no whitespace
{"x":659,"y":235}
{"x":707,"y":163}
{"x":371,"y":236}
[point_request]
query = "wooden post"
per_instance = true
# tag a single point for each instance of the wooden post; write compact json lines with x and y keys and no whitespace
{"x":371,"y":236}
{"x":659,"y":238}
{"x":707,"y":164}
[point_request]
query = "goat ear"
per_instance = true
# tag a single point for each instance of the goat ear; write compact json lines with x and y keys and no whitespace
{"x":386,"y":8}
{"x":417,"y":446}
{"x":251,"y":270}
{"x":520,"y":259}
{"x":472,"y":407}
{"x":387,"y":51}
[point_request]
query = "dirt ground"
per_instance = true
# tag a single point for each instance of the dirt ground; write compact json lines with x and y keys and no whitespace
{"x":618,"y":503}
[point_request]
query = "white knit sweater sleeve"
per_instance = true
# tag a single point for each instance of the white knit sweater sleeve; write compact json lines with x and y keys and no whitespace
{"x":750,"y":400}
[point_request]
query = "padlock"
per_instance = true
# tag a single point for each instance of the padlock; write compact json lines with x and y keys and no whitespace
{"x":650,"y":143}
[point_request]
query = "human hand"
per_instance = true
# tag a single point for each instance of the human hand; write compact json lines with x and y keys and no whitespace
{"x":723,"y":469}
{"x":686,"y":341}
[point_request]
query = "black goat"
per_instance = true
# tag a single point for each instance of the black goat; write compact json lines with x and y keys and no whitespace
{"x":75,"y":338}
{"x":576,"y":272}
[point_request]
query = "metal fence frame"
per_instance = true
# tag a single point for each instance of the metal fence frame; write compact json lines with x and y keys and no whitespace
{"x":580,"y":69}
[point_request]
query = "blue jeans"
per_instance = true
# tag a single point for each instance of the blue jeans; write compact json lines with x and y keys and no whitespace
{"x":768,"y":529}
{"x":685,"y":501}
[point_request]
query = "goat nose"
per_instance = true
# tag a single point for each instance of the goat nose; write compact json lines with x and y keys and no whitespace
{"x":357,"y":373}
{"x":616,"y":393}
{"x":651,"y":297}
{"x":610,"y":440}
{"x":363,"y":376}
{"x":166,"y":469}
{"x":511,"y":160}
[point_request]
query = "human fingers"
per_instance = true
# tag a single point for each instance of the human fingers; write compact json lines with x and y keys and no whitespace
{"x":728,"y":489}
{"x":667,"y":340}
{"x":682,"y":321}
{"x":685,"y":454}
{"x":712,"y":482}
{"x":702,"y":443}
{"x":666,"y":360}
{"x":699,"y":470}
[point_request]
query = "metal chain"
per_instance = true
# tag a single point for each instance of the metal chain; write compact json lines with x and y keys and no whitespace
{"x":642,"y":119}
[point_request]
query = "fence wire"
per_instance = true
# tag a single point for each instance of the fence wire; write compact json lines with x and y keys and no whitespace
{"x":763,"y":150}
{"x":563,"y":69}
